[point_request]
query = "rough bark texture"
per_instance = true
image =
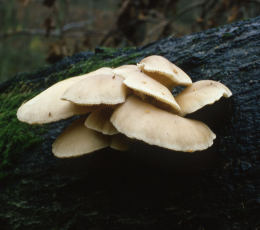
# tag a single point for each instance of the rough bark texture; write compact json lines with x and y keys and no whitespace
{"x":111,"y":190}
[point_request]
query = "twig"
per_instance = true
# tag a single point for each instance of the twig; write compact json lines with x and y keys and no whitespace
{"x":188,"y":8}
{"x":54,"y":33}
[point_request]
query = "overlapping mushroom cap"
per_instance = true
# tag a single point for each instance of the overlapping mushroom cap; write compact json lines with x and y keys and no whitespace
{"x":140,"y":120}
{"x":107,"y":89}
{"x":48,"y":106}
{"x":78,"y":140}
{"x":201,"y":93}
{"x":127,"y":103}
{"x":164,"y":71}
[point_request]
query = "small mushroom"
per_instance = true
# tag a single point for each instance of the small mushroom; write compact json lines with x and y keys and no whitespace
{"x":164,"y":71}
{"x":140,"y":120}
{"x":99,"y":89}
{"x":144,"y":85}
{"x":99,"y":120}
{"x":199,"y":94}
{"x":78,"y":140}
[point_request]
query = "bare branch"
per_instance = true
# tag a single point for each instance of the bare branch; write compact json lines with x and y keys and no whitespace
{"x":73,"y":26}
{"x":188,"y":8}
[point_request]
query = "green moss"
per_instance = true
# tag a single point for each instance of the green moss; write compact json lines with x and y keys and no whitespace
{"x":107,"y":58}
{"x":227,"y":35}
{"x":17,"y":137}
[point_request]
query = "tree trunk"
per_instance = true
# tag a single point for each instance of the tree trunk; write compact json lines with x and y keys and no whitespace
{"x":113,"y":190}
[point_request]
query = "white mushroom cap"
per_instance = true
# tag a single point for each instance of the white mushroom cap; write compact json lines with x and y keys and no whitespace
{"x":48,"y":107}
{"x":143,"y":84}
{"x":119,"y":142}
{"x":199,"y":94}
{"x":142,"y":121}
{"x":164,"y":71}
{"x":97,"y":89}
{"x":99,"y":120}
{"x":78,"y":140}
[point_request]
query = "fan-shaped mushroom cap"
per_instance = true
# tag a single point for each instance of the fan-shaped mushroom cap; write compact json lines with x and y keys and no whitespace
{"x":48,"y":107}
{"x":78,"y":140}
{"x":164,"y":71}
{"x":99,"y":120}
{"x":119,"y":142}
{"x":199,"y":94}
{"x":142,"y":121}
{"x":122,"y":70}
{"x":143,"y":84}
{"x":97,"y":89}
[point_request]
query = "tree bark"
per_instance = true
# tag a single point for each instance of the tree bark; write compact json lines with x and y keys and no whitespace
{"x":113,"y":190}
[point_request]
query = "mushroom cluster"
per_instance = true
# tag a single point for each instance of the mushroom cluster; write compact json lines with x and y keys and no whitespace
{"x":124,"y":103}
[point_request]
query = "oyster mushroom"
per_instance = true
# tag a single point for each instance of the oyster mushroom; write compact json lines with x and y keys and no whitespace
{"x":99,"y":120}
{"x":48,"y":107}
{"x":78,"y":140}
{"x":199,"y":94}
{"x":99,"y":89}
{"x":143,"y":85}
{"x":116,"y":115}
{"x":140,"y":120}
{"x":164,"y":71}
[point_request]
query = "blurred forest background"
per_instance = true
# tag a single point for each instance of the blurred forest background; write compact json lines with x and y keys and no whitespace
{"x":34,"y":33}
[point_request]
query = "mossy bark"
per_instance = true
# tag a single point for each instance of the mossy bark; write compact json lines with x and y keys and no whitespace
{"x":111,"y":190}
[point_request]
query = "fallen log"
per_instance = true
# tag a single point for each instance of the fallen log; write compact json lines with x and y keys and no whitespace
{"x":112,"y":190}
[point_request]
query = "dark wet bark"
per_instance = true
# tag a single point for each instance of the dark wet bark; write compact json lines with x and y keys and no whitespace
{"x":220,"y":189}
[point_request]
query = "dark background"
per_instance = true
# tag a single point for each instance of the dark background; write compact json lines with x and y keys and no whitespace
{"x":34,"y":33}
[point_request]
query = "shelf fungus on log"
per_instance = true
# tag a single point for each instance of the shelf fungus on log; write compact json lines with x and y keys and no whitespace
{"x":106,"y":89}
{"x":164,"y":71}
{"x":126,"y":103}
{"x":78,"y":140}
{"x":99,"y":120}
{"x":143,"y":86}
{"x":200,"y":94}
{"x":48,"y":106}
{"x":140,"y":120}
